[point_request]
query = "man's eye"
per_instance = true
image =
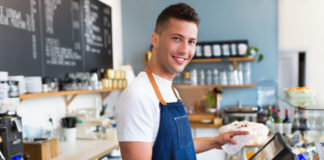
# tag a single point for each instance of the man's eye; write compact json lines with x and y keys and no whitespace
{"x":176,"y":38}
{"x":192,"y":42}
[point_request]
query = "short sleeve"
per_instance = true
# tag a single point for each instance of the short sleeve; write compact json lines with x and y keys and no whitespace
{"x":135,"y":116}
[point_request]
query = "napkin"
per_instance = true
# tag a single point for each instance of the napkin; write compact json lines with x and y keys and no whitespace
{"x":231,"y":149}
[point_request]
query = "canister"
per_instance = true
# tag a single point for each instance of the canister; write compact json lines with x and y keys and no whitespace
{"x":105,"y":83}
{"x":114,"y":83}
{"x":110,"y":74}
{"x":13,"y":91}
{"x":21,"y":84}
{"x":3,"y":90}
{"x":117,"y":74}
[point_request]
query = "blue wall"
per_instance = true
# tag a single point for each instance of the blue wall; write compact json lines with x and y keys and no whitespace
{"x":255,"y":20}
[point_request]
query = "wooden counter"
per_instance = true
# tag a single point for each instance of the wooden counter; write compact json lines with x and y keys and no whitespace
{"x":85,"y":149}
{"x":204,"y":125}
{"x":196,"y":120}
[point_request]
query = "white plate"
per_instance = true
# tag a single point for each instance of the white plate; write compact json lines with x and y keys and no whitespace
{"x":206,"y":121}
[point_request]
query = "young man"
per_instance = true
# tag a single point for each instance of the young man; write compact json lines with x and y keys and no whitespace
{"x":151,"y":120}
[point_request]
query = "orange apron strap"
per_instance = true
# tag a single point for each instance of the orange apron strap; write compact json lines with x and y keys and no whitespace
{"x":155,"y":87}
{"x":175,"y":93}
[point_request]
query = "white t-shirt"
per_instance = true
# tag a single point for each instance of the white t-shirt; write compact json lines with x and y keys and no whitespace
{"x":138,"y":113}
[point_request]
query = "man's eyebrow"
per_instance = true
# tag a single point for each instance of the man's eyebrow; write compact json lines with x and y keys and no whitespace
{"x":180,"y":35}
{"x":177,"y":34}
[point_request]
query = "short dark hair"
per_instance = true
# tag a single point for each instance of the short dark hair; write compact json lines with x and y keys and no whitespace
{"x":179,"y":11}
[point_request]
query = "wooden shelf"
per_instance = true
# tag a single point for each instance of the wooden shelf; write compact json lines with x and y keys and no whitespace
{"x":230,"y":59}
{"x":241,"y":59}
{"x":215,"y":86}
{"x":68,"y":95}
{"x":206,"y":60}
{"x":234,"y":60}
{"x":63,"y":93}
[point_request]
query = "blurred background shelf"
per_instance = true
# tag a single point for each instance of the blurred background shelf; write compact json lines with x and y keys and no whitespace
{"x":63,"y":93}
{"x":215,"y":86}
{"x":231,"y":59}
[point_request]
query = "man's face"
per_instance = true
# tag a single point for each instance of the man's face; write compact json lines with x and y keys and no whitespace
{"x":176,"y":45}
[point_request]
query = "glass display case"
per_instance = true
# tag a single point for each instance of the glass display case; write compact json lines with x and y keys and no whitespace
{"x":307,"y":134}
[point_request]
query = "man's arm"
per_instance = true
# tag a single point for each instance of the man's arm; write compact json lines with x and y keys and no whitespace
{"x":206,"y":143}
{"x":136,"y":150}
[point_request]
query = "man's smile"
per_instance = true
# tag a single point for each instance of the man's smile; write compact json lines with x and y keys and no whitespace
{"x":179,"y":59}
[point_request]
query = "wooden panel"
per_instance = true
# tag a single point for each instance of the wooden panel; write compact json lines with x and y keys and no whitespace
{"x":42,"y":150}
{"x":191,"y":95}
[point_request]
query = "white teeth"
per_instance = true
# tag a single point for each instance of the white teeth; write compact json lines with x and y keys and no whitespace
{"x":181,"y":59}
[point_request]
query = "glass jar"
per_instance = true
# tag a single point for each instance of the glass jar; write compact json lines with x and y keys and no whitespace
{"x":209,"y":77}
{"x":223,"y":78}
{"x":215,"y":76}
{"x":3,"y":90}
{"x":247,"y":72}
{"x":201,"y":77}
{"x":194,"y":76}
{"x":13,"y":90}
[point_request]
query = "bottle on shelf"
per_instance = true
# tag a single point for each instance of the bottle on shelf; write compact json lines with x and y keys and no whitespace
{"x":274,"y":114}
{"x":269,"y":122}
{"x":278,"y":122}
{"x":278,"y":117}
{"x":296,"y":124}
{"x":287,"y":123}
{"x":304,"y":123}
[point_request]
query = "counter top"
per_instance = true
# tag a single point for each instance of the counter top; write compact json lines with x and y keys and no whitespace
{"x":85,"y":149}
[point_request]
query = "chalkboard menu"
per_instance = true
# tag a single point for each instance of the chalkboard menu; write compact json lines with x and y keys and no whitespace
{"x":54,"y":37}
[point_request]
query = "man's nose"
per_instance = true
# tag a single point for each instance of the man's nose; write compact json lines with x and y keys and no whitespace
{"x":183,"y":48}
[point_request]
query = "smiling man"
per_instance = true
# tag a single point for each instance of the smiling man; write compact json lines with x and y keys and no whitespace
{"x":151,"y":120}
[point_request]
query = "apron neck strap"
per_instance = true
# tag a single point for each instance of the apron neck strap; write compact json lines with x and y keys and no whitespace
{"x":155,"y":87}
{"x":175,"y":93}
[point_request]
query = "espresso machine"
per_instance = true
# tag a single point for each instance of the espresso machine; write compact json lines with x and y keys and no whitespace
{"x":11,"y":139}
{"x":239,"y":113}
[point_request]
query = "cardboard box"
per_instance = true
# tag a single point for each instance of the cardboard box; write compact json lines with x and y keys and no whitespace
{"x":42,"y":149}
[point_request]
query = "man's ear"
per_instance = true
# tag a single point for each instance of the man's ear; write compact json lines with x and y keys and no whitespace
{"x":155,"y":40}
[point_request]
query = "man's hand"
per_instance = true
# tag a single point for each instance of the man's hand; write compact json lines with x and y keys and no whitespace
{"x":206,"y":143}
{"x":228,"y":138}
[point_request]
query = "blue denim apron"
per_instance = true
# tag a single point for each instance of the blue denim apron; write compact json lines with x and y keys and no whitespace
{"x":174,"y":140}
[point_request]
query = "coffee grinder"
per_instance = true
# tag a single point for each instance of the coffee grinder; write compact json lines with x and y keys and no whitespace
{"x":11,"y":139}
